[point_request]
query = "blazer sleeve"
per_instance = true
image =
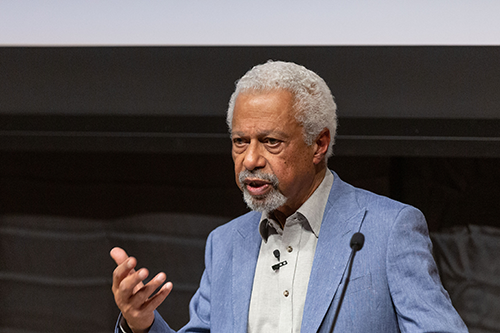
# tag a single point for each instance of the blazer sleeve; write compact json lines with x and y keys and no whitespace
{"x":421,"y":302}
{"x":200,"y":305}
{"x":199,"y":312}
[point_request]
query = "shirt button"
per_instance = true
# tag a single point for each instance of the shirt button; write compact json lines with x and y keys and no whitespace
{"x":289,"y":249}
{"x":286,"y":293}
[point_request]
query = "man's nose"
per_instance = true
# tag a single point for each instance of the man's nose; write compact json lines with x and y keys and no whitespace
{"x":253,"y":157}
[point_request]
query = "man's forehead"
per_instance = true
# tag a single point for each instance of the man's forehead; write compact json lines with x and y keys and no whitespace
{"x":267,"y":122}
{"x":263,"y":112}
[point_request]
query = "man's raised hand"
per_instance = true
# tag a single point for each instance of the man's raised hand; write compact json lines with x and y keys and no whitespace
{"x":132,"y":297}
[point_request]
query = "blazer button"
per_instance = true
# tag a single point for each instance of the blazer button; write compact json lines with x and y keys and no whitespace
{"x":286,"y":293}
{"x":289,"y":249}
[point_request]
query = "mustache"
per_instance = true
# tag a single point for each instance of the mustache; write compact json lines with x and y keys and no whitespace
{"x":257,"y":174}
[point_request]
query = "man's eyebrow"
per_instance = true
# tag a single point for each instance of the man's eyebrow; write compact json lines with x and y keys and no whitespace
{"x":263,"y":133}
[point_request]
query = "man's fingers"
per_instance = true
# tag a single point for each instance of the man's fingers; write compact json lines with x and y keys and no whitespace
{"x":125,"y":268}
{"x":132,"y":284}
{"x":141,"y":314}
{"x":122,"y":271}
{"x":135,"y":299}
{"x":154,"y":301}
{"x":142,"y":295}
{"x":119,"y":255}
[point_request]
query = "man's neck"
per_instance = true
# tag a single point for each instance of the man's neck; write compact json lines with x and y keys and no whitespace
{"x":280,"y":217}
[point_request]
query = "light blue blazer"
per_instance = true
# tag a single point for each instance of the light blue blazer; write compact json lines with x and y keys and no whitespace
{"x":394,"y":285}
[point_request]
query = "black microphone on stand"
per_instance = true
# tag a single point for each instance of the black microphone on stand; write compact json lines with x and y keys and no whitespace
{"x":357,"y":242}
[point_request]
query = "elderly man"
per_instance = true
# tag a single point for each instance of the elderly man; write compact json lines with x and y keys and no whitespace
{"x":283,"y":266}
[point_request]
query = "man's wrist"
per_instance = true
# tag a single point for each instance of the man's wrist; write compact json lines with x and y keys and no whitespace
{"x":124,"y":328}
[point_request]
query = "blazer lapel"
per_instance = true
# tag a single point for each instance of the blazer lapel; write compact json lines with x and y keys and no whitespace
{"x":341,"y":219}
{"x":246,"y":245}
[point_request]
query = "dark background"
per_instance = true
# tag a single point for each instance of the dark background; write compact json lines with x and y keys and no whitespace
{"x":127,"y":146}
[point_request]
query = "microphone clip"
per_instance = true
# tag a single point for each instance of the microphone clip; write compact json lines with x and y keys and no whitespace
{"x":277,"y":266}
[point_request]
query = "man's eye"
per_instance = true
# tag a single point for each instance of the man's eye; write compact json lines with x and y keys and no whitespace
{"x":238,"y":141}
{"x":272,"y":142}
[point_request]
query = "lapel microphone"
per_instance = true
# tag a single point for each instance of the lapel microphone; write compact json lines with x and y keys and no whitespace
{"x":277,"y":254}
{"x":277,"y":266}
{"x":357,"y":242}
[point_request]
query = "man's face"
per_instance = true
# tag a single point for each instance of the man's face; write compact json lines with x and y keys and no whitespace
{"x":266,"y":139}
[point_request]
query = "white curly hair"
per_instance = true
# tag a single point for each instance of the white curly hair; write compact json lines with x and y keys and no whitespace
{"x":314,"y":105}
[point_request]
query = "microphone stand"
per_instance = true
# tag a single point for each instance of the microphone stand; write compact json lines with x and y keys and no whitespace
{"x":357,"y":241}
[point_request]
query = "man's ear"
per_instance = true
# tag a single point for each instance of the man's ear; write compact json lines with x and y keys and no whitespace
{"x":321,"y":146}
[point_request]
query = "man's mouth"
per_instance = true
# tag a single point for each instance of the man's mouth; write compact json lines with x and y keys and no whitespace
{"x":257,"y":187}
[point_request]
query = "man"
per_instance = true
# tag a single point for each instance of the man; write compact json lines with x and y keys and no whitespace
{"x":282,"y":267}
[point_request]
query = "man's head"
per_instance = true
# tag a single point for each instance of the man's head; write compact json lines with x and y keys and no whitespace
{"x":282,"y":121}
{"x":314,"y":105}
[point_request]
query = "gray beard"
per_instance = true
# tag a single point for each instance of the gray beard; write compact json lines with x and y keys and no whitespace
{"x":264,"y":203}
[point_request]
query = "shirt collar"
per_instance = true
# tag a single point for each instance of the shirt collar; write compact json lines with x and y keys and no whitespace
{"x":312,"y":210}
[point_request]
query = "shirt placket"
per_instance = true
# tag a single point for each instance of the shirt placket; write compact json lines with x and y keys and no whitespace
{"x":289,"y":252}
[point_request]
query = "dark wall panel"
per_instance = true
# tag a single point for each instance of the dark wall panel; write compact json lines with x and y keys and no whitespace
{"x":371,"y":81}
